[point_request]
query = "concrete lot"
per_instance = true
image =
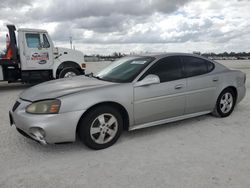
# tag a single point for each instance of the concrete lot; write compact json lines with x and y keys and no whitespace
{"x":199,"y":152}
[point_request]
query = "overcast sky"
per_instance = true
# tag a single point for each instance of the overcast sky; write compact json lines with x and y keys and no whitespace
{"x":106,"y":26}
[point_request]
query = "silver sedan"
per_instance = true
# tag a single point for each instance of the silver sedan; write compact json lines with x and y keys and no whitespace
{"x":133,"y":92}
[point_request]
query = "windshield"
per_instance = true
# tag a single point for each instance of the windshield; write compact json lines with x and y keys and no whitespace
{"x":124,"y":70}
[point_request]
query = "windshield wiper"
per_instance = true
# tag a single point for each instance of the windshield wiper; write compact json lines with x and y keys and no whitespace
{"x":97,"y":77}
{"x":89,"y":75}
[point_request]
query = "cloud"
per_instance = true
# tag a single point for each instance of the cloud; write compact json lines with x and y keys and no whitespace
{"x":14,"y":3}
{"x":104,"y":24}
{"x":154,"y":29}
{"x":135,"y":25}
{"x":75,"y":9}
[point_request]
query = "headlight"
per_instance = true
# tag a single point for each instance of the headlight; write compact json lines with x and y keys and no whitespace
{"x":44,"y":107}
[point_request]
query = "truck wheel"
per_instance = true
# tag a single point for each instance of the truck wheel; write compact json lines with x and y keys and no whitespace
{"x":69,"y":72}
{"x":101,"y":127}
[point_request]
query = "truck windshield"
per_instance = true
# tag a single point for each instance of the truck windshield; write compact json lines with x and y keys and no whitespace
{"x":124,"y":70}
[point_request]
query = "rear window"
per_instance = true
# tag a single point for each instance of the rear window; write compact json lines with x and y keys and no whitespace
{"x":210,"y":66}
{"x":195,"y":66}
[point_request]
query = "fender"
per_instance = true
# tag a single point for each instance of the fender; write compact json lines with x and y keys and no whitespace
{"x":67,"y":58}
{"x":65,"y":65}
{"x":228,"y":79}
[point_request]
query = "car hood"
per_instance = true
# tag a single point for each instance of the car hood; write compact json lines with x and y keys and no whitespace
{"x":61,"y":87}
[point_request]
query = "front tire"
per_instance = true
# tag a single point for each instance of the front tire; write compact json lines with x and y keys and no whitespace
{"x":69,"y":72}
{"x":101,"y":127}
{"x":225,"y":103}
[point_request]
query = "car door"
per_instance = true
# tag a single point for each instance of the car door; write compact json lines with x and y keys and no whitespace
{"x":164,"y":100}
{"x":201,"y":84}
{"x":38,"y":51}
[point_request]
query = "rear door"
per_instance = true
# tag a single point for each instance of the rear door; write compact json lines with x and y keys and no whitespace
{"x":201,"y":84}
{"x":163,"y":100}
{"x":38,"y":51}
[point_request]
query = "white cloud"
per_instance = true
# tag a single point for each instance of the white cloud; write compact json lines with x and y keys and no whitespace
{"x":106,"y":26}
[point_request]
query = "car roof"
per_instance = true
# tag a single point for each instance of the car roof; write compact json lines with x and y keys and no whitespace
{"x":162,"y":55}
{"x":166,"y":54}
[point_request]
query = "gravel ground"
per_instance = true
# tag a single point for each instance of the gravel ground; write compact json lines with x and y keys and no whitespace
{"x":199,"y":152}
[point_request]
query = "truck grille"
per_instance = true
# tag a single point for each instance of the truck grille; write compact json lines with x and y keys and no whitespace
{"x":15,"y":106}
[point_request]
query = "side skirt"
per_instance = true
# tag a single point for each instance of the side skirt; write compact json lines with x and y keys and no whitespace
{"x":169,"y":120}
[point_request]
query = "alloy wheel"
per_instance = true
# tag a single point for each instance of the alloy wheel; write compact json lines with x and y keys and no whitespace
{"x":104,"y":128}
{"x":226,"y":102}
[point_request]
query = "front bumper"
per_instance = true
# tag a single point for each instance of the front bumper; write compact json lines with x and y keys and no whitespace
{"x":37,"y":138}
{"x":45,"y":128}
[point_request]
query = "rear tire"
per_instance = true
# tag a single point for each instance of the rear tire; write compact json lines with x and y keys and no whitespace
{"x":225,"y":103}
{"x":69,"y":72}
{"x":101,"y":127}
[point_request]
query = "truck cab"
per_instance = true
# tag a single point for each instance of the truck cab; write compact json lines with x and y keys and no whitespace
{"x":35,"y":59}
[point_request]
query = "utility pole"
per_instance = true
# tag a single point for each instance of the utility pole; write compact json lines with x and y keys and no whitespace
{"x":70,"y":41}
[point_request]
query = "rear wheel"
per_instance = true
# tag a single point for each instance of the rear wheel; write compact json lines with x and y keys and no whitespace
{"x":101,"y":127}
{"x":69,"y":72}
{"x":225,"y":103}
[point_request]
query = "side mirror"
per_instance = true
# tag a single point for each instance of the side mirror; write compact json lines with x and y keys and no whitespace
{"x":148,"y":80}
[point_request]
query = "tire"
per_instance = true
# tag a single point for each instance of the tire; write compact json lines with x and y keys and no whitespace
{"x":225,"y":103}
{"x":69,"y":72}
{"x":101,"y":127}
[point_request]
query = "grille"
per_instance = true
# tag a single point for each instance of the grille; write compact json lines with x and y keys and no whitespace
{"x":15,"y":106}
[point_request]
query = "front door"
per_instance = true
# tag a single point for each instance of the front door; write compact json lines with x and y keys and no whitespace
{"x":163,"y":100}
{"x":38,"y":52}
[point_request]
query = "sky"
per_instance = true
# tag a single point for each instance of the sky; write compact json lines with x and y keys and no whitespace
{"x":126,"y":26}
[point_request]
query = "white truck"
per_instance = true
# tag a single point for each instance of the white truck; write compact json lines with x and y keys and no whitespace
{"x":35,"y":59}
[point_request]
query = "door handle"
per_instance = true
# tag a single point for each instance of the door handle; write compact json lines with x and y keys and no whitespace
{"x":178,"y":86}
{"x":215,"y":79}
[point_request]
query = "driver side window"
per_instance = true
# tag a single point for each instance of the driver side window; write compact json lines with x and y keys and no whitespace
{"x":168,"y":69}
{"x":33,"y":40}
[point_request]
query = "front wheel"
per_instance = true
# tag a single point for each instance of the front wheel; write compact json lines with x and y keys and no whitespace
{"x":225,"y":103}
{"x":101,"y":127}
{"x":69,"y":72}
